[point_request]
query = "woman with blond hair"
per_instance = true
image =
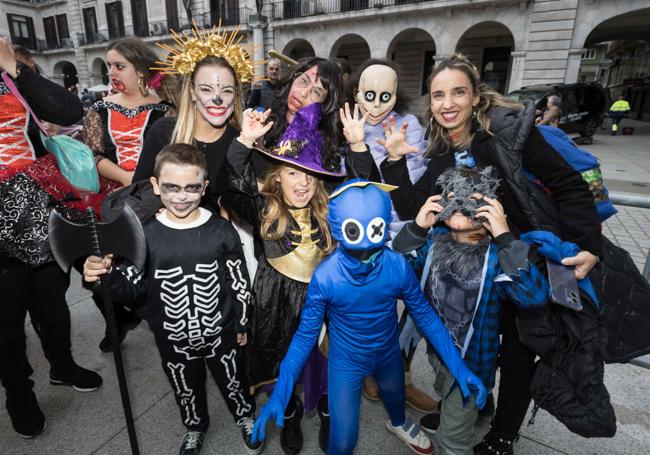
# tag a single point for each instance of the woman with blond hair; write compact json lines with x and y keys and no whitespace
{"x":473,"y":126}
{"x":208,"y":116}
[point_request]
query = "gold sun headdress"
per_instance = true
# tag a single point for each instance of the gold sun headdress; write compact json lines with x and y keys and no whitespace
{"x":192,"y":48}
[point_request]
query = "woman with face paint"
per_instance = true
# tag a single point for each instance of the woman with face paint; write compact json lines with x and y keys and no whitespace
{"x":312,"y":80}
{"x":209,"y":112}
{"x":208,"y":117}
{"x":115,"y":127}
{"x":473,"y":126}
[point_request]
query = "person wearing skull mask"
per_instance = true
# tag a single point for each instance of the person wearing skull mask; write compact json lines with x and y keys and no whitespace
{"x":470,"y":268}
{"x":374,"y":86}
{"x":357,"y":286}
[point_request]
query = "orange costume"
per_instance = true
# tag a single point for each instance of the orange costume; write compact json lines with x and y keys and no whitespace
{"x":117,"y":133}
{"x":16,"y":149}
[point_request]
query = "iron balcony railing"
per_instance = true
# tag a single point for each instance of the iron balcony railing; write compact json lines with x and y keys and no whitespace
{"x":63,"y":43}
{"x":291,"y":9}
{"x":238,"y":16}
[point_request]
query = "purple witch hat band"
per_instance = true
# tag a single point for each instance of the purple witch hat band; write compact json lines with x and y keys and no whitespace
{"x":301,"y":144}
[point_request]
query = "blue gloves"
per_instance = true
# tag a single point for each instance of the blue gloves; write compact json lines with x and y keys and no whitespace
{"x":272,"y":409}
{"x":469,"y":384}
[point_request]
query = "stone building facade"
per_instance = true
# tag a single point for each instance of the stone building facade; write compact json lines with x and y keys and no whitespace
{"x":514,"y":43}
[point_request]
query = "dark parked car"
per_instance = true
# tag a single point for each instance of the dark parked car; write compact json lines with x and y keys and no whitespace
{"x":584,"y":104}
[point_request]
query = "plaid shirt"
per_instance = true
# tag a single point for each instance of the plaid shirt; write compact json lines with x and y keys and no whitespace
{"x":527,"y":288}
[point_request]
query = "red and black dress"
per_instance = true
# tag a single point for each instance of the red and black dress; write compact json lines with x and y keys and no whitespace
{"x":30,"y":181}
{"x":117,"y":133}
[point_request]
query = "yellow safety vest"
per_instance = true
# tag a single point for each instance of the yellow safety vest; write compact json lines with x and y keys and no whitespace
{"x":620,"y":106}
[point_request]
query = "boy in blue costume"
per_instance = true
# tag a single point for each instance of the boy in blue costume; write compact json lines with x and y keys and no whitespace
{"x":470,"y":268}
{"x":357,"y":286}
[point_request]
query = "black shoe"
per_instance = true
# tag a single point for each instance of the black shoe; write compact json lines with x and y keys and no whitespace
{"x":247,"y":435}
{"x":430,"y":422}
{"x":26,"y":416}
{"x":192,"y":442}
{"x":495,"y":443}
{"x":122,"y":329}
{"x":291,"y":439}
{"x":324,"y":431}
{"x":80,"y":379}
{"x":489,"y":409}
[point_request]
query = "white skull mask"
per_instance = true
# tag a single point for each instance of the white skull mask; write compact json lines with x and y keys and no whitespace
{"x":377,"y":92}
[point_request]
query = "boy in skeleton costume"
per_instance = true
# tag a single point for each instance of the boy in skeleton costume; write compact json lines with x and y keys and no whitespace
{"x":197,"y":289}
{"x":466,"y":276}
{"x":374,"y":87}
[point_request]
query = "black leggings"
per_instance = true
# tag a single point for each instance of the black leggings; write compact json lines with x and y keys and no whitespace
{"x":517,"y":364}
{"x":41,"y":292}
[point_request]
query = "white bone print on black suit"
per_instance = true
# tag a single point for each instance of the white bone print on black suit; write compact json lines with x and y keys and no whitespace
{"x":192,"y":329}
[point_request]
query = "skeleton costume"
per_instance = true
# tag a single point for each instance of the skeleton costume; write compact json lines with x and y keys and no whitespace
{"x":198,"y":291}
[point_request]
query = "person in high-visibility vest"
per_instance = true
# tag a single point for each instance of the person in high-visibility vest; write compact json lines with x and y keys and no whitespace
{"x":618,"y":111}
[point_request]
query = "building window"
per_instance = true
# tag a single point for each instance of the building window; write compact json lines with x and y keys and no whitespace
{"x":21,"y":29}
{"x":589,"y":54}
{"x":57,"y":33}
{"x":90,"y":25}
{"x":115,"y":20}
{"x":49,"y":25}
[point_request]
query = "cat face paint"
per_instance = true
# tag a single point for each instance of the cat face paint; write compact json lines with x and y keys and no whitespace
{"x":377,"y":92}
{"x":214,"y":94}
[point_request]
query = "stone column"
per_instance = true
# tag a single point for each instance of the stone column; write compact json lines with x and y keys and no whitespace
{"x":573,"y":66}
{"x":517,"y":71}
{"x":258,"y":23}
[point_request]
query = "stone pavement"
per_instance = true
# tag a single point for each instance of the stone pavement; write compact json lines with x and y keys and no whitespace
{"x":92,"y":423}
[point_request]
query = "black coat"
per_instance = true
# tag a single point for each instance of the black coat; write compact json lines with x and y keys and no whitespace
{"x":568,"y":381}
{"x":573,"y":213}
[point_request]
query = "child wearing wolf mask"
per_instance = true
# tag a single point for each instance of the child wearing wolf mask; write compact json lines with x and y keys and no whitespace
{"x":469,"y":269}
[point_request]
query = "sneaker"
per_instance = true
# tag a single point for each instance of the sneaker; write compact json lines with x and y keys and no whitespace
{"x":370,"y":389}
{"x":81,"y":379}
{"x":291,"y":439}
{"x":419,"y":400}
{"x":25,"y":414}
{"x":247,"y":425}
{"x":494,"y":443}
{"x":430,"y":422}
{"x":192,"y":442}
{"x":413,"y":436}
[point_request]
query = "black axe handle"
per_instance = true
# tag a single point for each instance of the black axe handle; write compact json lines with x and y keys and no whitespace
{"x":115,"y":339}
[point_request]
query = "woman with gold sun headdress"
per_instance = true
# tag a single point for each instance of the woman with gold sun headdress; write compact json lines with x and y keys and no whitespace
{"x":213,"y":65}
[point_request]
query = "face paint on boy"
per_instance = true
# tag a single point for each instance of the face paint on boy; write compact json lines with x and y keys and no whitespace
{"x":377,"y":92}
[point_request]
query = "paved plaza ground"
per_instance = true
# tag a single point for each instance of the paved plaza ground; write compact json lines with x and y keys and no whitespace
{"x":92,"y":423}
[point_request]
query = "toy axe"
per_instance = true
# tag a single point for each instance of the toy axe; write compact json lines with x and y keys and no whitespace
{"x":122,"y":237}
